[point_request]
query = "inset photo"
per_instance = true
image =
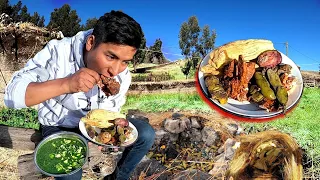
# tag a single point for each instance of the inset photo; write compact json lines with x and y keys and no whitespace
{"x":249,"y":80}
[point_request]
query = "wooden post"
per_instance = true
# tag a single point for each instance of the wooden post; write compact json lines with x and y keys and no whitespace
{"x":287,"y":45}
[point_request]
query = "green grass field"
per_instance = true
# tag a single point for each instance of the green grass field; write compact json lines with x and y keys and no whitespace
{"x":165,"y":102}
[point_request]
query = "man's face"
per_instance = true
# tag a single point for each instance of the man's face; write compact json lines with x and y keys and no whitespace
{"x":107,"y":58}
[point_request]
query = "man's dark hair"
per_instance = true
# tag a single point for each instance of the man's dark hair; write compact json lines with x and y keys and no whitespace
{"x":118,"y":28}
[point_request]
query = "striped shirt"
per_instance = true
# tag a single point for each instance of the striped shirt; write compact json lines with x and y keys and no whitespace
{"x":59,"y":59}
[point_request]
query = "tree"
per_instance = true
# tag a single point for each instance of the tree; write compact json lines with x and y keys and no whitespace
{"x":15,"y":11}
{"x":41,"y":22}
{"x":156,"y":53}
{"x":90,"y":23}
{"x":206,"y":41}
{"x":141,"y":53}
{"x":188,"y":38}
{"x":186,"y":68}
{"x":66,"y":20}
{"x":35,"y":18}
{"x":24,"y":15}
{"x":5,"y":7}
{"x":195,"y":59}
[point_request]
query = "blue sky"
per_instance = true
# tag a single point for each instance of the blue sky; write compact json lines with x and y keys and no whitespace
{"x":294,"y":21}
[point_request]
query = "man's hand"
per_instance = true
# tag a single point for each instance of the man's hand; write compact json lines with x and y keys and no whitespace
{"x":82,"y":81}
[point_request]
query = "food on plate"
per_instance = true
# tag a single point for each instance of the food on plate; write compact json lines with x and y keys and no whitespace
{"x":109,"y":86}
{"x":237,"y":74}
{"x":269,"y":58}
{"x":264,"y":86}
{"x":107,"y":127}
{"x":215,"y":89}
{"x":101,"y":118}
{"x":249,"y":49}
{"x":249,"y":70}
{"x":61,"y":155}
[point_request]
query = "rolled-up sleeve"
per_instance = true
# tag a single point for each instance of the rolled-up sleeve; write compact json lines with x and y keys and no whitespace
{"x":38,"y":69}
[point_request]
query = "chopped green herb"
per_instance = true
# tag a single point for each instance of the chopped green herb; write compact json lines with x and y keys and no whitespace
{"x":67,"y":155}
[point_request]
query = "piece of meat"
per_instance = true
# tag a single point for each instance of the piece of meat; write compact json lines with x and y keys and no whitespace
{"x":269,"y":59}
{"x":287,"y":81}
{"x":109,"y":86}
{"x":284,"y":68}
{"x":234,"y":90}
{"x":229,"y":69}
{"x":246,"y":72}
{"x":121,"y":122}
{"x":268,"y":105}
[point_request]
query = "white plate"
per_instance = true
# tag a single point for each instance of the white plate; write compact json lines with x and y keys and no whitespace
{"x":128,"y":142}
{"x":251,"y":110}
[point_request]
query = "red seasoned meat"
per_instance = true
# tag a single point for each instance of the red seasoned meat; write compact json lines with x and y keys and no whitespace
{"x":109,"y":86}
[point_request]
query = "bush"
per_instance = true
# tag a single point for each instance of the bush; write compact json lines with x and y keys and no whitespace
{"x":23,"y":118}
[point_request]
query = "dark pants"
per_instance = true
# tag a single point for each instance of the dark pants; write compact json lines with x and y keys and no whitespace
{"x":131,"y":155}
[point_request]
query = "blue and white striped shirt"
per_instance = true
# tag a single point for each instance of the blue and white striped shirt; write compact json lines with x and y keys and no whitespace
{"x":59,"y":59}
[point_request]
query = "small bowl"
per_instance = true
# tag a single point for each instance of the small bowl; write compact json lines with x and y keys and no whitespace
{"x":62,"y":134}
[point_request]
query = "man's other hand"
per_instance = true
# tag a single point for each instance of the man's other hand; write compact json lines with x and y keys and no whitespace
{"x":82,"y":81}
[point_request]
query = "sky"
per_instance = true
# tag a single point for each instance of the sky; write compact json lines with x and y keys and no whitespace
{"x":294,"y":21}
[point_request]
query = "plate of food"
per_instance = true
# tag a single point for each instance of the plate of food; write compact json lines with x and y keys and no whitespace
{"x":107,"y":128}
{"x":250,"y":79}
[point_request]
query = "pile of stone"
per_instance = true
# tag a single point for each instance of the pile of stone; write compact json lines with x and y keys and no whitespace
{"x":167,"y":158}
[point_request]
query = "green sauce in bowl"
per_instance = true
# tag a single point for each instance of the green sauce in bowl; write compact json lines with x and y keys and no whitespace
{"x":61,"y":154}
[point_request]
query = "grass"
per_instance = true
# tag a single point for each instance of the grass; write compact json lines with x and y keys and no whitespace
{"x":24,"y":118}
{"x":165,"y":102}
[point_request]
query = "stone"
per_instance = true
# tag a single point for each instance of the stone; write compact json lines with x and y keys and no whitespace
{"x":232,"y":128}
{"x":228,"y":144}
{"x":163,"y":136}
{"x":176,"y":115}
{"x":174,"y":125}
{"x":195,"y":174}
{"x":171,"y":151}
{"x":210,"y":136}
{"x":192,"y":135}
{"x":195,"y":123}
{"x":220,"y":167}
{"x":186,"y":121}
{"x":150,"y":167}
{"x":196,"y":135}
{"x":227,"y":148}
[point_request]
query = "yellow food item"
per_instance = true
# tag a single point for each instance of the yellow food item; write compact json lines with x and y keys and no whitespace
{"x":100,"y":118}
{"x":249,"y":49}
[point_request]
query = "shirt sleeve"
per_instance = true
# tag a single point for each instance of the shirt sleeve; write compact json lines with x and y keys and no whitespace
{"x":38,"y":69}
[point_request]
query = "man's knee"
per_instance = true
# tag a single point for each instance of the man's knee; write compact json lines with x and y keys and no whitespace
{"x":147,"y":134}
